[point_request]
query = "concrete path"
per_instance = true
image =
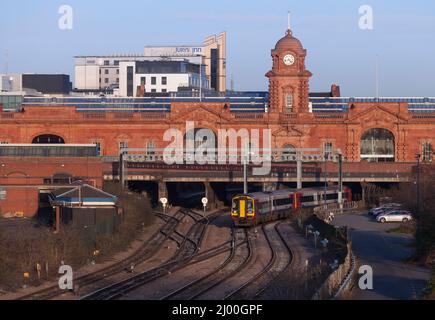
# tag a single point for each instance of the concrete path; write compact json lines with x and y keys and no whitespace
{"x":386,"y":253}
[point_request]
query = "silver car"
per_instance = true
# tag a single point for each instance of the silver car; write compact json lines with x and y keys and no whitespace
{"x":394,"y":216}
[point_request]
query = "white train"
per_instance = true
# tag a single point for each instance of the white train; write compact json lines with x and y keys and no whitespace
{"x":259,"y":207}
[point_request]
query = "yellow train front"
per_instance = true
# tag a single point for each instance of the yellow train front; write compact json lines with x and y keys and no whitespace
{"x":243,"y":211}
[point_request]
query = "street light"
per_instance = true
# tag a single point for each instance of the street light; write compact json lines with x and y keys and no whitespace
{"x":340,"y":178}
{"x":326,"y":155}
{"x":418,"y":156}
{"x":246,"y":158}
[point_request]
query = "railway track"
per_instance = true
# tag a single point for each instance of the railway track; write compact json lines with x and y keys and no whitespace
{"x":239,"y":258}
{"x":281,"y":258}
{"x":188,"y":249}
{"x":166,"y":232}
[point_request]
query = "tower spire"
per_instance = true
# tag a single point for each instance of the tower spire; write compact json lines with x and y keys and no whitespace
{"x":289,"y":31}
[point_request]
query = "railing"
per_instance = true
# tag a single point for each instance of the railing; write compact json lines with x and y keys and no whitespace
{"x":153,"y":116}
{"x":288,"y":116}
{"x":123,"y":115}
{"x":248,"y":116}
{"x":143,"y":116}
{"x":94,"y":116}
{"x":329,"y":116}
{"x":7,"y":115}
{"x":423,"y":116}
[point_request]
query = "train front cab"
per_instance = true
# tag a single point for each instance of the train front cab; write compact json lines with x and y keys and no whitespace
{"x":243,"y":211}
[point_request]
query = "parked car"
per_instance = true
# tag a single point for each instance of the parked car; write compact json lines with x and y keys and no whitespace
{"x":394,"y":216}
{"x":383,"y":208}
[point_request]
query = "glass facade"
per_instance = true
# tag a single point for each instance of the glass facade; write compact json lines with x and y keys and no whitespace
{"x":130,"y":81}
{"x":214,"y":64}
{"x":11,"y":103}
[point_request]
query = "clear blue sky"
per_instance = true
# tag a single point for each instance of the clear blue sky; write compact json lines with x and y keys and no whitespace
{"x":338,"y":51}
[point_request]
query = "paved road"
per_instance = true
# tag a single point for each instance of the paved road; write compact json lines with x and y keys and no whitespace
{"x":386,"y":253}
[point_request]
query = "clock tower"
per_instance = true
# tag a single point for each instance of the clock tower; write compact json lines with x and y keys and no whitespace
{"x":288,"y":79}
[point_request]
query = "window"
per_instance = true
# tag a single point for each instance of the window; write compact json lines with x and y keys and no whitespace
{"x":117,"y":71}
{"x":106,"y":62}
{"x":153,"y":90}
{"x":427,"y":152}
{"x":3,"y":193}
{"x":143,"y":81}
{"x":98,"y":147}
{"x":150,"y":147}
{"x":117,"y":80}
{"x":106,"y":71}
{"x":289,"y":103}
{"x":164,"y":90}
{"x":106,"y":80}
{"x":129,"y":81}
{"x":327,"y":148}
{"x":164,"y":80}
{"x":153,"y":80}
{"x":116,"y":63}
{"x":123,"y":145}
{"x":48,"y":138}
{"x":282,"y":202}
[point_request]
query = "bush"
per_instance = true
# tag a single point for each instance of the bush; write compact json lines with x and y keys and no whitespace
{"x":24,"y":243}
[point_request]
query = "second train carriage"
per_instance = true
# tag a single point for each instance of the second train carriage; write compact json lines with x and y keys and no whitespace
{"x":259,"y":207}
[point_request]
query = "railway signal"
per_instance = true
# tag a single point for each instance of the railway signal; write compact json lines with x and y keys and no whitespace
{"x":204,"y":203}
{"x":164,"y":202}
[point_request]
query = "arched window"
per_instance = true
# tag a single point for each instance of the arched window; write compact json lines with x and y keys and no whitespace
{"x":377,"y":145}
{"x":48,"y":138}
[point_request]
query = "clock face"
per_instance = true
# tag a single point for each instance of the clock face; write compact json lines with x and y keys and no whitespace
{"x":289,"y":59}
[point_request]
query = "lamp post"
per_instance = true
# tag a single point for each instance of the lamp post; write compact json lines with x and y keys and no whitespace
{"x":245,"y":171}
{"x":417,"y":156}
{"x":340,"y":178}
{"x":324,"y":174}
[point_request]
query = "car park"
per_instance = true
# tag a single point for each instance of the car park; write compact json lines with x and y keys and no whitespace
{"x":388,"y":206}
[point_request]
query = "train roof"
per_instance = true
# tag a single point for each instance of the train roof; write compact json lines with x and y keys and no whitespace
{"x":287,"y":191}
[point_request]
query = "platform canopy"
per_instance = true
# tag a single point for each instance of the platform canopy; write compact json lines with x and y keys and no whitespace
{"x":81,"y":195}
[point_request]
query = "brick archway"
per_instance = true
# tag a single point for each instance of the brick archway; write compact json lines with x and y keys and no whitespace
{"x":48,"y":138}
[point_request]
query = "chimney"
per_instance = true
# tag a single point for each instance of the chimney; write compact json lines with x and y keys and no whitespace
{"x":335,"y":91}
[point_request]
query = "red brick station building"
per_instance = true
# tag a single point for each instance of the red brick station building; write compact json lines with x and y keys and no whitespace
{"x":369,"y":131}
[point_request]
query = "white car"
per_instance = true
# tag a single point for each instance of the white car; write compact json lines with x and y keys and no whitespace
{"x":394,"y":216}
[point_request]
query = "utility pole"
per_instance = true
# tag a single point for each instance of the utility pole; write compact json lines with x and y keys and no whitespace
{"x":417,"y":156}
{"x":340,"y":178}
{"x":121,"y":168}
{"x":324,"y":174}
{"x":299,"y":169}
{"x":245,"y":170}
{"x":200,"y":82}
{"x":377,"y":77}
